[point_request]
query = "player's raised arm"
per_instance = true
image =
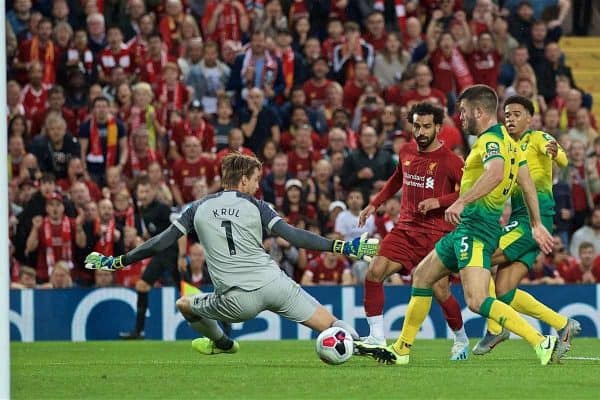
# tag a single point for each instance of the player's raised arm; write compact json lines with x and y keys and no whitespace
{"x":391,"y":187}
{"x":539,"y":232}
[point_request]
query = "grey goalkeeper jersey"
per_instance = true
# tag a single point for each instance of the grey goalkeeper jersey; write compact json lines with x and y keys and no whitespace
{"x":230,"y":226}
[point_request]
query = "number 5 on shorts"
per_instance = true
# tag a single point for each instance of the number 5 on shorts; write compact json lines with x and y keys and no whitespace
{"x":464,"y":246}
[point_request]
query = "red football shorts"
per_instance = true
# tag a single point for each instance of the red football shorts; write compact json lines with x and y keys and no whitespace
{"x":408,"y":247}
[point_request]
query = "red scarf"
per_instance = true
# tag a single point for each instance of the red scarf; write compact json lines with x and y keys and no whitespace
{"x":128,"y":215}
{"x":269,"y":66}
{"x":135,"y":160}
{"x":400,"y":12}
{"x":228,"y":25}
{"x":112,"y":133}
{"x":164,"y":58}
{"x":66,"y":243}
{"x":287,"y":60}
{"x":175,"y":104}
{"x":105,"y":244}
{"x":461,"y":71}
{"x":47,"y":61}
{"x":298,"y":10}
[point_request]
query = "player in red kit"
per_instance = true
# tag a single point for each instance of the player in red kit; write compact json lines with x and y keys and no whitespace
{"x":429,"y":174}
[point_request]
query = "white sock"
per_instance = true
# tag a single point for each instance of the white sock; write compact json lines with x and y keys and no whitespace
{"x":376,"y":326}
{"x":460,"y":335}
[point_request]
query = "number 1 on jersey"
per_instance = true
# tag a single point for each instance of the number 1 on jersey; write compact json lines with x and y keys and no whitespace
{"x":228,"y":233}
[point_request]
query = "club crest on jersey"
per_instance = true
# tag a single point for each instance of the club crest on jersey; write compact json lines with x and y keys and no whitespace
{"x":523,"y":146}
{"x":431,"y":168}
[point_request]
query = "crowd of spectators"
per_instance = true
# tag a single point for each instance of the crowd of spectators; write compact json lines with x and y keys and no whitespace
{"x":114,"y":106}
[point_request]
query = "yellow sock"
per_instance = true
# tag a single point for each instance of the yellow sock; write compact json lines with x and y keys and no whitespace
{"x":416,"y":312}
{"x":510,"y":319}
{"x":525,"y":303}
{"x":492,"y":326}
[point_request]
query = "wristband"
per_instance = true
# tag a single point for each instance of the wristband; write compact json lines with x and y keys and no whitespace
{"x":338,"y":246}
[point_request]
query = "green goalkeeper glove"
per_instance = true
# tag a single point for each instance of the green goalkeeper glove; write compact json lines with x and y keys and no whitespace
{"x":95,"y":260}
{"x":358,"y":248}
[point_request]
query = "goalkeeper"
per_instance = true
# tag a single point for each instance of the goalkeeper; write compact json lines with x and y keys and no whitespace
{"x":247,"y":281}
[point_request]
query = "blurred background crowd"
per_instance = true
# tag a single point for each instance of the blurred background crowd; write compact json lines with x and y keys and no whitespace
{"x":121,"y":110}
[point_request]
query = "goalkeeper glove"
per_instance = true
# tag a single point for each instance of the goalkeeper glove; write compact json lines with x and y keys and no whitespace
{"x":96,"y":260}
{"x":358,"y":248}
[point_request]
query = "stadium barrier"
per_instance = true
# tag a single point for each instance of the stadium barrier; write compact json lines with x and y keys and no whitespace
{"x":100,"y":314}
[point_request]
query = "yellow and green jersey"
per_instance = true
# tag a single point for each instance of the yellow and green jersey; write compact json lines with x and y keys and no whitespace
{"x":533,"y":144}
{"x":495,"y":142}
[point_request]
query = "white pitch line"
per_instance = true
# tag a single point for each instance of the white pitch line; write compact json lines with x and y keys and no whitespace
{"x":582,"y":358}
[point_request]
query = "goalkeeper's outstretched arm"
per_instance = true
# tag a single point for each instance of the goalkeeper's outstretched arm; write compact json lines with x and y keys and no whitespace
{"x":153,"y":245}
{"x":301,"y":238}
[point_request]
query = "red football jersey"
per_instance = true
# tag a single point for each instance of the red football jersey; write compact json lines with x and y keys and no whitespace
{"x":34,"y":101}
{"x":423,"y":175}
{"x":301,"y":167}
{"x":485,"y":67}
{"x":185,"y":174}
{"x":316,"y":96}
{"x":323,"y":275}
{"x":109,"y":60}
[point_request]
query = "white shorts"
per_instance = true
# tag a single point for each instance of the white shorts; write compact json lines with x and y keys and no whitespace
{"x":282,"y":296}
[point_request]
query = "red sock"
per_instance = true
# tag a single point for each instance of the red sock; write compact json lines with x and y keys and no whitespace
{"x":374,"y":298}
{"x":451,"y":310}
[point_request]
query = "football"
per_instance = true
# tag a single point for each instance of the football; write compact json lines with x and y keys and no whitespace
{"x":335,"y":346}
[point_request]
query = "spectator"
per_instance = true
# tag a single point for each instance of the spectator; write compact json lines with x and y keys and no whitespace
{"x":194,"y":125}
{"x":284,"y":254}
{"x":295,"y":208}
{"x":224,"y":122}
{"x":259,"y":122}
{"x":589,"y":233}
{"x":368,"y":167}
{"x":143,"y":114}
{"x":391,"y":62}
{"x":504,"y":43}
{"x":234,"y":145}
{"x":54,"y":149}
{"x":131,"y":23}
{"x":171,"y":94}
{"x":53,"y":238}
{"x":369,"y":108}
{"x":19,"y":16}
{"x":103,"y":141}
{"x":376,"y":35}
{"x":103,"y":279}
{"x":40,"y":49}
{"x":583,"y":130}
{"x":157,"y":181}
{"x":196,"y":272}
{"x":321,"y":183}
{"x":60,"y":277}
{"x":542,"y":273}
{"x":347,"y":54}
{"x":573,"y":103}
{"x":484,"y":62}
{"x":563,"y":207}
{"x":16,"y":155}
{"x":575,"y":175}
{"x":328,"y":269}
{"x":551,"y":67}
{"x":356,"y":86}
{"x":317,"y":86}
{"x":76,"y":173}
{"x":138,"y":43}
{"x":35,"y":93}
{"x":302,"y":158}
{"x":212,"y":73}
{"x":96,"y":29}
{"x":294,"y":68}
{"x":259,"y":68}
{"x":116,"y":54}
{"x":335,"y":36}
{"x":26,"y":279}
{"x":225,"y":20}
{"x":518,"y":66}
{"x":551,"y":122}
{"x":56,"y":103}
{"x":154,"y":61}
{"x":346,"y":222}
{"x":191,"y":167}
{"x":140,"y":155}
{"x":14,"y":101}
{"x":300,"y":32}
{"x":274,"y":183}
{"x":272,"y":19}
{"x":422,"y":91}
{"x":337,"y":142}
{"x":170,"y":26}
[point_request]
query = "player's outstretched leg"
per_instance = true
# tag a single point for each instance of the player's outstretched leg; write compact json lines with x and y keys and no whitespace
{"x":374,"y":298}
{"x":215,"y":340}
{"x":452,"y":313}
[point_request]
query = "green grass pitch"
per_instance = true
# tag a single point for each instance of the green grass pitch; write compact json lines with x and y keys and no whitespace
{"x":290,"y":370}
